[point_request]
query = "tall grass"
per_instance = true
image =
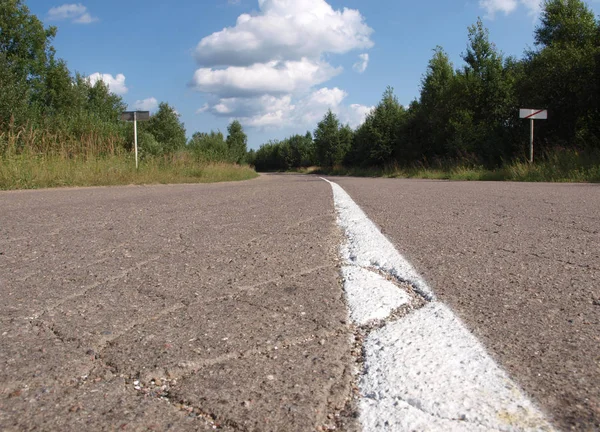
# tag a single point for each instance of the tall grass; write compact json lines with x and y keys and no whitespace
{"x":558,"y":165}
{"x":34,"y":157}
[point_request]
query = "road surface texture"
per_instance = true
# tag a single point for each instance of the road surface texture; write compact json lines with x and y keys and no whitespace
{"x":519,"y":264}
{"x":188,"y":307}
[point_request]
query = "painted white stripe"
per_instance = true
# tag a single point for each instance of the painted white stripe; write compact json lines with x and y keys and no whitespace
{"x":370,"y":296}
{"x":425,"y":372}
{"x":368,"y":247}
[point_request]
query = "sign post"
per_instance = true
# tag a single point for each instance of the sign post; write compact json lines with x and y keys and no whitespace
{"x":532,"y":114}
{"x":134,"y":116}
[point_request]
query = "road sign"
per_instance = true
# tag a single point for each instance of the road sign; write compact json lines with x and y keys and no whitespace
{"x":534,"y":114}
{"x":134,"y":116}
{"x":531,"y":115}
{"x":140,"y":115}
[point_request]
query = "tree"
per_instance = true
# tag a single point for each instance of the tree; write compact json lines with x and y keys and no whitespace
{"x":484,"y":102}
{"x":566,"y":22}
{"x":377,"y":137}
{"x":328,"y":149}
{"x":210,"y":146}
{"x":237,"y":141}
{"x":562,"y":74}
{"x":26,"y":53}
{"x":166,"y":128}
{"x":436,"y":105}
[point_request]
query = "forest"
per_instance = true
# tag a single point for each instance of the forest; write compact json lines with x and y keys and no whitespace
{"x":469,"y":115}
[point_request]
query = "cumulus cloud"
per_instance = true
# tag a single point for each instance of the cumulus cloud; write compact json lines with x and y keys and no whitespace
{"x":115,"y":84}
{"x":285,"y":29}
{"x":362,"y":64}
{"x":274,"y":77}
{"x":149,"y":104}
{"x":265,"y":69}
{"x":283,"y":111}
{"x":76,"y":13}
{"x":492,"y":7}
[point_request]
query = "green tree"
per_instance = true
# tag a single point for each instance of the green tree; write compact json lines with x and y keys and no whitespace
{"x":436,"y":105}
{"x":377,"y":137}
{"x":328,"y":147}
{"x":237,"y":141}
{"x":26,"y":54}
{"x":210,"y":146}
{"x":484,"y":101}
{"x":566,"y":22}
{"x":166,"y":127}
{"x":562,"y":75}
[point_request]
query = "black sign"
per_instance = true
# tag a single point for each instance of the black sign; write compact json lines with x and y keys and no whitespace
{"x":139,"y":115}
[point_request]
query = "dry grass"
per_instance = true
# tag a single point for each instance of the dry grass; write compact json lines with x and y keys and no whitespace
{"x":31,"y":158}
{"x":556,"y":166}
{"x":26,"y":172}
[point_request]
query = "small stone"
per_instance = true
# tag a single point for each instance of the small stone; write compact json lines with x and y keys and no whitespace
{"x":157,"y":382}
{"x":246,"y":404}
{"x":322,"y":342}
{"x":270,"y":377}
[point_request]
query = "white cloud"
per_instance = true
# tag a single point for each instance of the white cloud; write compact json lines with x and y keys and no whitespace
{"x":285,"y":29}
{"x":274,"y":77}
{"x":362,"y":64}
{"x":280,"y":112}
{"x":76,"y":13}
{"x":115,"y":84}
{"x":149,"y":104}
{"x":264,"y":70}
{"x":507,"y":7}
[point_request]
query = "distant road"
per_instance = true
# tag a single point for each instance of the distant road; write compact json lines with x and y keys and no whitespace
{"x":195,"y":307}
{"x":520,"y":264}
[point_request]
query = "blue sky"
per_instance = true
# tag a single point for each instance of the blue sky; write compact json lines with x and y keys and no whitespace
{"x":276,"y":65}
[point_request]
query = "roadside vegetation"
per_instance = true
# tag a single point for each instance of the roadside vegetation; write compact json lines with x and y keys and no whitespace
{"x":465,"y":124}
{"x":60,"y":129}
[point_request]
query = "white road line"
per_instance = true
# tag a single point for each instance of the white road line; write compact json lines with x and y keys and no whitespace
{"x":426,"y":371}
{"x":370,"y":296}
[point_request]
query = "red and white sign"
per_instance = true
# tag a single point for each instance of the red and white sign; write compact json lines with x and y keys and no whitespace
{"x":534,"y":114}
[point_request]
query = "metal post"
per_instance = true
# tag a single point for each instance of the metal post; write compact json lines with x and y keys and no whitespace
{"x":531,"y":144}
{"x":135,"y":138}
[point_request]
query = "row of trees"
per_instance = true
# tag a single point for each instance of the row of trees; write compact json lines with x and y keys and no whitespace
{"x":471,"y":114}
{"x":39,"y":94}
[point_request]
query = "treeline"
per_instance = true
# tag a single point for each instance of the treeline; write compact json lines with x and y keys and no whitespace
{"x":45,"y":109}
{"x":470,"y":115}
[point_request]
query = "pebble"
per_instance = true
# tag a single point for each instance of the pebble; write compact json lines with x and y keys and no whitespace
{"x":270,"y":377}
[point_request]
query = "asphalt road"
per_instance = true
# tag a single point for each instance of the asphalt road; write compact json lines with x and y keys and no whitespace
{"x":172,"y":308}
{"x":191,"y":307}
{"x":520,"y":264}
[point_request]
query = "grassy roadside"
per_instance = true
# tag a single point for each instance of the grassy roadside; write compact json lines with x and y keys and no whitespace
{"x":45,"y":171}
{"x":565,"y":167}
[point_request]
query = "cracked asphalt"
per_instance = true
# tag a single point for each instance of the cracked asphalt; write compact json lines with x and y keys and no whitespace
{"x":519,"y":263}
{"x":187,"y":307}
{"x":195,"y":307}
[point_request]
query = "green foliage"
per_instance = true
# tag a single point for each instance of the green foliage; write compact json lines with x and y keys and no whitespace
{"x":294,"y":152}
{"x":148,"y":145}
{"x":210,"y":147}
{"x":377,"y":137}
{"x":469,"y":117}
{"x":166,"y":128}
{"x":329,"y":142}
{"x":566,"y":22}
{"x":236,"y":142}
